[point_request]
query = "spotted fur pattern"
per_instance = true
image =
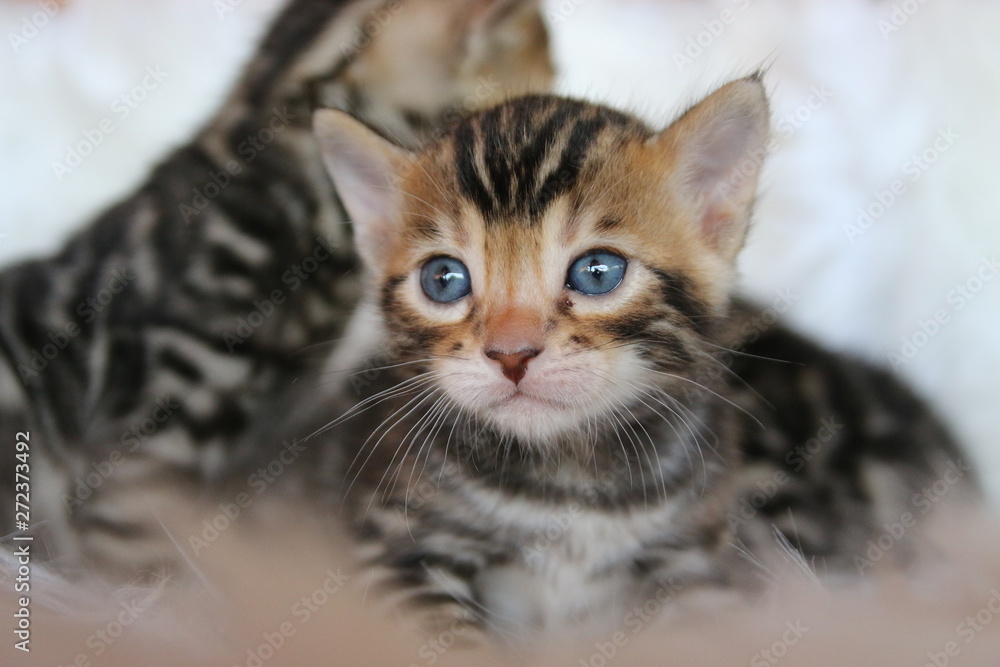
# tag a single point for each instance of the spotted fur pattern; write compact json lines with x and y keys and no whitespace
{"x":614,"y":466}
{"x":166,"y":342}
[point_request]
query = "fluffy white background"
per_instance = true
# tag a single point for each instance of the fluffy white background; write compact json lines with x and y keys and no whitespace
{"x":890,"y":93}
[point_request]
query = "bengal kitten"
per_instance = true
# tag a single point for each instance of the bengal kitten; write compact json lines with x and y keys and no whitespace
{"x":163,"y":344}
{"x":550,"y":433}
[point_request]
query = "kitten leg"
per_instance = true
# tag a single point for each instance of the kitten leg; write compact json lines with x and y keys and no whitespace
{"x":122,"y":526}
{"x":429,"y":572}
{"x":439,"y":604}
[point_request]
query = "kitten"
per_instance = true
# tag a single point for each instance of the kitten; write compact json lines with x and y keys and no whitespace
{"x":550,"y":435}
{"x":163,"y":344}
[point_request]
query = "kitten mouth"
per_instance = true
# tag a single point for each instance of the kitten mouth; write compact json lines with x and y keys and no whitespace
{"x":520,"y":397}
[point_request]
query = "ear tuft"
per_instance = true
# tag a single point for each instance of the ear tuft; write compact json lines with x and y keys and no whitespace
{"x":365,"y":169}
{"x":718,"y":148}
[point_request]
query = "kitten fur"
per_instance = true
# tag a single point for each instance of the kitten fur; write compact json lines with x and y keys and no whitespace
{"x":162,"y":346}
{"x":529,"y":458}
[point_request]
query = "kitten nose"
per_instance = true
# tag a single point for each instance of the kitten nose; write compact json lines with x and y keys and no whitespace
{"x":514,"y":364}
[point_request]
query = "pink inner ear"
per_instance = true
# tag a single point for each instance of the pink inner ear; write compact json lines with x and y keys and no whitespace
{"x":720,"y":184}
{"x":716,"y":221}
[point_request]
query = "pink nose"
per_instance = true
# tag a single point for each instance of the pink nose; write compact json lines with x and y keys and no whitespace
{"x":513,"y":364}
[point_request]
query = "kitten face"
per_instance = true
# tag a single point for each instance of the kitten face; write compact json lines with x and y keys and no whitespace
{"x":554,"y":264}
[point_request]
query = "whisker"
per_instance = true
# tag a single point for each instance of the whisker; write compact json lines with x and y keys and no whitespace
{"x":402,"y":388}
{"x":371,"y":450}
{"x":736,"y":376}
{"x":697,"y":438}
{"x":703,"y":387}
{"x":355,"y":371}
{"x":417,"y":402}
{"x":410,"y":435}
{"x":325,"y":343}
{"x":655,"y":469}
{"x":733,"y":350}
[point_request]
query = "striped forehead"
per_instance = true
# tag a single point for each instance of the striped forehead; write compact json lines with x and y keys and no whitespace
{"x":513,"y":161}
{"x":512,"y":263}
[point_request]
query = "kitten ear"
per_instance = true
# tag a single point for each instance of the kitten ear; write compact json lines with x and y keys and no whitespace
{"x":716,"y":150}
{"x":365,"y":168}
{"x":508,"y":37}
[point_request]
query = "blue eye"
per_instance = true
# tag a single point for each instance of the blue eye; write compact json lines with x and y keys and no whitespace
{"x":596,"y":272}
{"x":445,"y":279}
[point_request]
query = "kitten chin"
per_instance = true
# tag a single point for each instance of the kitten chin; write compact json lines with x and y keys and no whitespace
{"x":550,"y":404}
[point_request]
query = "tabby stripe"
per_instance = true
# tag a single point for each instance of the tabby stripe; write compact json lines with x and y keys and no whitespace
{"x":529,"y":157}
{"x":172,"y":360}
{"x":389,"y":290}
{"x":668,"y":342}
{"x":676,"y":290}
{"x":128,"y":371}
{"x":512,"y":185}
{"x":419,"y":561}
{"x":532,"y":158}
{"x":228,"y":420}
{"x":300,"y":23}
{"x":564,"y":176}
{"x":469,"y":180}
{"x":226,"y":262}
{"x":247,"y":202}
{"x":500,"y":165}
{"x":53,"y":387}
